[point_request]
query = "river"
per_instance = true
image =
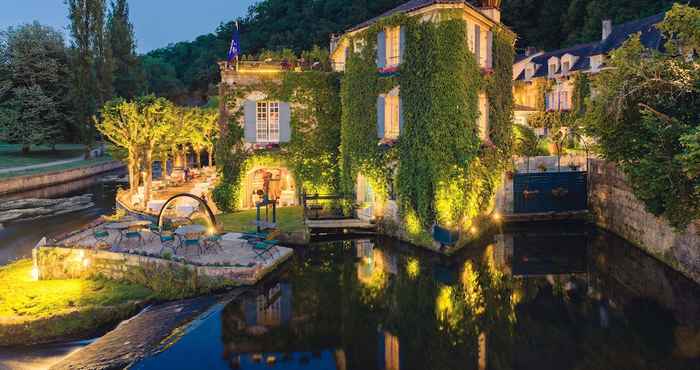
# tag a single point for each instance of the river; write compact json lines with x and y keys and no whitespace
{"x":549,"y":296}
{"x":18,"y":238}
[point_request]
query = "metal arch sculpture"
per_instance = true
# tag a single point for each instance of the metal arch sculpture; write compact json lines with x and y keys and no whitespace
{"x":202,"y":202}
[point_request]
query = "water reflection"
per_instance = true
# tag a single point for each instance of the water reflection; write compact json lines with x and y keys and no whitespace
{"x":531,"y":298}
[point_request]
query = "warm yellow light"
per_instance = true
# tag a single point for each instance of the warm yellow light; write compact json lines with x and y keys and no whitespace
{"x":86,"y":262}
{"x":81,"y":254}
{"x":474,"y":230}
{"x":497,"y":217}
{"x":212,"y":231}
{"x":413,"y":268}
{"x":35,"y":273}
{"x":444,"y":303}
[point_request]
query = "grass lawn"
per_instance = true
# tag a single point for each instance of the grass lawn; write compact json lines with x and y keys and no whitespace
{"x":38,"y":311}
{"x":68,"y":166}
{"x":288,"y":219}
{"x":11,"y":155}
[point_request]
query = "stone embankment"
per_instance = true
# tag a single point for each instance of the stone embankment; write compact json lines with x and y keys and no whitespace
{"x":24,"y":209}
{"x":616,"y":208}
{"x":31,"y":182}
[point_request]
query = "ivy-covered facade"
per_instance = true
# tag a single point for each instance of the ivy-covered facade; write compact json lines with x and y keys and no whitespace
{"x":426,"y":99}
{"x":415,"y":121}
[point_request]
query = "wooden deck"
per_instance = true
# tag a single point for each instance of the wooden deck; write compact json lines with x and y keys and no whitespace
{"x":339,"y":224}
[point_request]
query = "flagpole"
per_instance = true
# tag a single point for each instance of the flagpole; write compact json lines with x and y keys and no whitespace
{"x":238,"y":31}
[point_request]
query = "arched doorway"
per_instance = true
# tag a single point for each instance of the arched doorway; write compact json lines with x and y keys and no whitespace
{"x":276,"y":181}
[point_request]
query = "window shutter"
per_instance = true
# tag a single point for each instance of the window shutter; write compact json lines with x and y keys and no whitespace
{"x":402,"y":43}
{"x":400,"y":116}
{"x":381,"y":49}
{"x":249,"y":127}
{"x":380,"y":116}
{"x":489,"y":49}
{"x":477,"y":44}
{"x":285,"y":123}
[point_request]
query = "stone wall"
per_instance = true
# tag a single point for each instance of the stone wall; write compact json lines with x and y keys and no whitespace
{"x":31,"y":182}
{"x":170,"y":278}
{"x":616,"y":208}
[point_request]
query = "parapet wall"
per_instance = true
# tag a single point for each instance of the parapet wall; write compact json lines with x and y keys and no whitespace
{"x":31,"y":182}
{"x":167,"y":277}
{"x":615,"y":208}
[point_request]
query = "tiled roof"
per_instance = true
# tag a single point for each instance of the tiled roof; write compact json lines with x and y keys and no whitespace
{"x":582,"y":51}
{"x":650,"y":36}
{"x":409,"y":6}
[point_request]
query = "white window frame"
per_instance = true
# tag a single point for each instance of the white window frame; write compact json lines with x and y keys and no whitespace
{"x":392,"y":124}
{"x":565,"y":67}
{"x":393,"y":46}
{"x":267,"y":121}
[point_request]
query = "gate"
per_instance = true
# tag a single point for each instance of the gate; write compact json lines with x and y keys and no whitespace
{"x":550,"y":192}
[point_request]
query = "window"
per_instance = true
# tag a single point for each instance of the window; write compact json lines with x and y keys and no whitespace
{"x":393,"y":46}
{"x":391,"y":117}
{"x":267,"y":122}
{"x":565,"y":67}
{"x":552,"y":69}
{"x":483,"y":117}
{"x":564,"y":100}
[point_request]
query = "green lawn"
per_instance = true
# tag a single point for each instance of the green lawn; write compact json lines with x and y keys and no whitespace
{"x":24,"y":299}
{"x":11,"y":155}
{"x":68,"y":166}
{"x":288,"y":219}
{"x":49,"y":310}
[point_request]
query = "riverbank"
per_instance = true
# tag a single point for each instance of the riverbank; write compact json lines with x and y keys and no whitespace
{"x":35,"y":312}
{"x":43,"y":177}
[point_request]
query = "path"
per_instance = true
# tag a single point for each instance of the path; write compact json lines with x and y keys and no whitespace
{"x":42,"y":165}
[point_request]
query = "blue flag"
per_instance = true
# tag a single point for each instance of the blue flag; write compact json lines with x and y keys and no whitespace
{"x":235,"y":50}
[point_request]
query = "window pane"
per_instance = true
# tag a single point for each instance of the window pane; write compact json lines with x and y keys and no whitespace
{"x":274,"y":122}
{"x":261,"y":121}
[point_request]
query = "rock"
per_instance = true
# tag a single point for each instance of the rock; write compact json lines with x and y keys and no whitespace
{"x":10,"y":216}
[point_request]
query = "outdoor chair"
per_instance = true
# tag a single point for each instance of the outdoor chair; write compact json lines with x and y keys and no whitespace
{"x":255,"y":236}
{"x":265,"y":249}
{"x":101,"y":237}
{"x":168,"y":241}
{"x":192,"y":241}
{"x":134,"y":234}
{"x":212,"y":243}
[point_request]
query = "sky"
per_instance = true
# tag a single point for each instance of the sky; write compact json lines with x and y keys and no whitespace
{"x":157,"y":23}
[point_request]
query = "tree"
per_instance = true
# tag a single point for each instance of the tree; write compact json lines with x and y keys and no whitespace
{"x":33,"y":88}
{"x":158,"y":120}
{"x":128,"y":73}
{"x":645,"y":116}
{"x":90,"y":68}
{"x":120,"y":123}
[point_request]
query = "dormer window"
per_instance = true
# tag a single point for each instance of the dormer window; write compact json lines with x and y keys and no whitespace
{"x":529,"y":72}
{"x":552,"y":69}
{"x":565,"y":67}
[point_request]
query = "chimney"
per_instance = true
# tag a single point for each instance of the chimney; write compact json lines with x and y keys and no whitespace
{"x":607,"y":28}
{"x":492,"y":9}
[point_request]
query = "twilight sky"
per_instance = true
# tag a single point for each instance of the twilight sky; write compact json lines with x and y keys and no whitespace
{"x":156,"y":22}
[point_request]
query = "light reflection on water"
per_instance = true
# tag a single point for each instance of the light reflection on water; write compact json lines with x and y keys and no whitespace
{"x":576,"y":298}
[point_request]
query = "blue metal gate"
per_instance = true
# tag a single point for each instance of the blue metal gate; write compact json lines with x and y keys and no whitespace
{"x":550,"y":192}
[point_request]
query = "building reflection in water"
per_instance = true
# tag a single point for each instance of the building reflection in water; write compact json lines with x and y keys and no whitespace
{"x":521,"y":297}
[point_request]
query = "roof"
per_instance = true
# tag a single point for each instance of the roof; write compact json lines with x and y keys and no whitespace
{"x":650,"y":36}
{"x":582,"y":51}
{"x":407,"y":7}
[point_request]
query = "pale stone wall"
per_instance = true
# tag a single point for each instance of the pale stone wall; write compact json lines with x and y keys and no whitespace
{"x":616,"y":208}
{"x":31,"y":182}
{"x":72,"y":263}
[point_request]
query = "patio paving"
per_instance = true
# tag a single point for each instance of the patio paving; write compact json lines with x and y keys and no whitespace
{"x":233,"y":252}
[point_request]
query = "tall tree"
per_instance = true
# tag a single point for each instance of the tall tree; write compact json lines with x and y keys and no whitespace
{"x":33,"y":87}
{"x":128,"y":74}
{"x":91,"y":66}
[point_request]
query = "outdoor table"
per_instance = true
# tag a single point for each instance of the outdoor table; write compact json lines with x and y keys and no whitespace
{"x":125,"y":226}
{"x":180,"y":221}
{"x":190,"y":229}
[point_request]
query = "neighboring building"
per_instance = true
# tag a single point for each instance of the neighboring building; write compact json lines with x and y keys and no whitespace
{"x":481,"y":22}
{"x":545,"y":81}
